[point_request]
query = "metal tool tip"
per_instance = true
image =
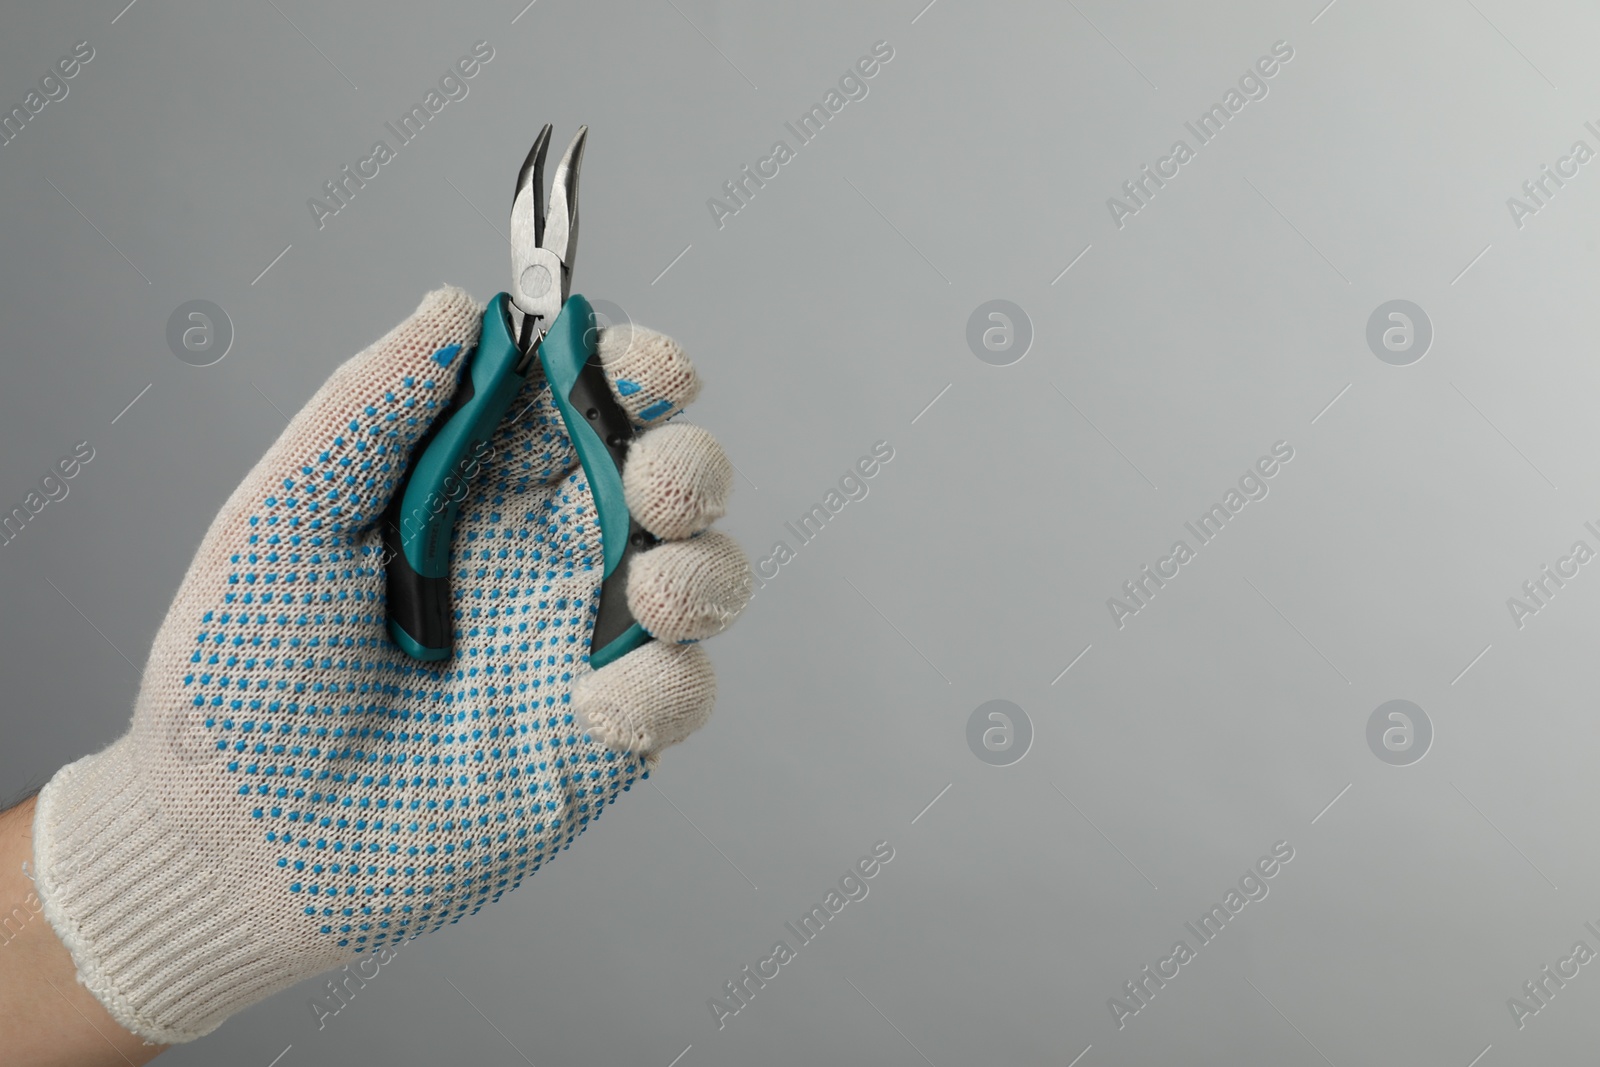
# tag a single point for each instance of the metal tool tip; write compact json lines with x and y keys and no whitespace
{"x":574,"y":154}
{"x":533,"y":165}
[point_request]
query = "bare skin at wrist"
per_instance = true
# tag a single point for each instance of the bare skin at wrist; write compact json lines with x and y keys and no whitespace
{"x":46,"y":1018}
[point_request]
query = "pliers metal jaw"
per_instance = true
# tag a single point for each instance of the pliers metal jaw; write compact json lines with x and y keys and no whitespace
{"x":543,"y":242}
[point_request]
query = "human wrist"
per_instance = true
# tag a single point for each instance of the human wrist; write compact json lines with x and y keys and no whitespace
{"x":135,"y":900}
{"x":47,"y":1019}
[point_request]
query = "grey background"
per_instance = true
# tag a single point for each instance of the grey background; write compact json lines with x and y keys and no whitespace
{"x":1222,"y":318}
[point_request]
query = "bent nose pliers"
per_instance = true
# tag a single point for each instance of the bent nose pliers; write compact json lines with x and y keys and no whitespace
{"x":537,"y":319}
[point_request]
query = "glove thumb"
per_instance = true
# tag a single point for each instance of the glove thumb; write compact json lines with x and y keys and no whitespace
{"x":336,"y":465}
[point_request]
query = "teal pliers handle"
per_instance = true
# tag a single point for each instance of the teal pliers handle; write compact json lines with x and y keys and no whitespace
{"x":419,"y":525}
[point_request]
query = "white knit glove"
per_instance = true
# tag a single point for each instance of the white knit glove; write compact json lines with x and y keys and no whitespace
{"x":293,"y":789}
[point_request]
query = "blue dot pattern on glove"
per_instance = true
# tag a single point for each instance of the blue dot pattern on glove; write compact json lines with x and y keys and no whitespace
{"x":644,"y":408}
{"x":398,"y":796}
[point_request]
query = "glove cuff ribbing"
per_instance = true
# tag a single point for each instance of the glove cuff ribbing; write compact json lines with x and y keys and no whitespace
{"x":136,"y":905}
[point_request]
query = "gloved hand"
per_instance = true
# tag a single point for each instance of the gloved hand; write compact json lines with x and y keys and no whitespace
{"x":294,"y":790}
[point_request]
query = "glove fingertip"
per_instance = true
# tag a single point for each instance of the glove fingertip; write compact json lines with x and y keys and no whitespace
{"x":650,"y":699}
{"x":690,"y":590}
{"x":677,"y":480}
{"x":649,"y":373}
